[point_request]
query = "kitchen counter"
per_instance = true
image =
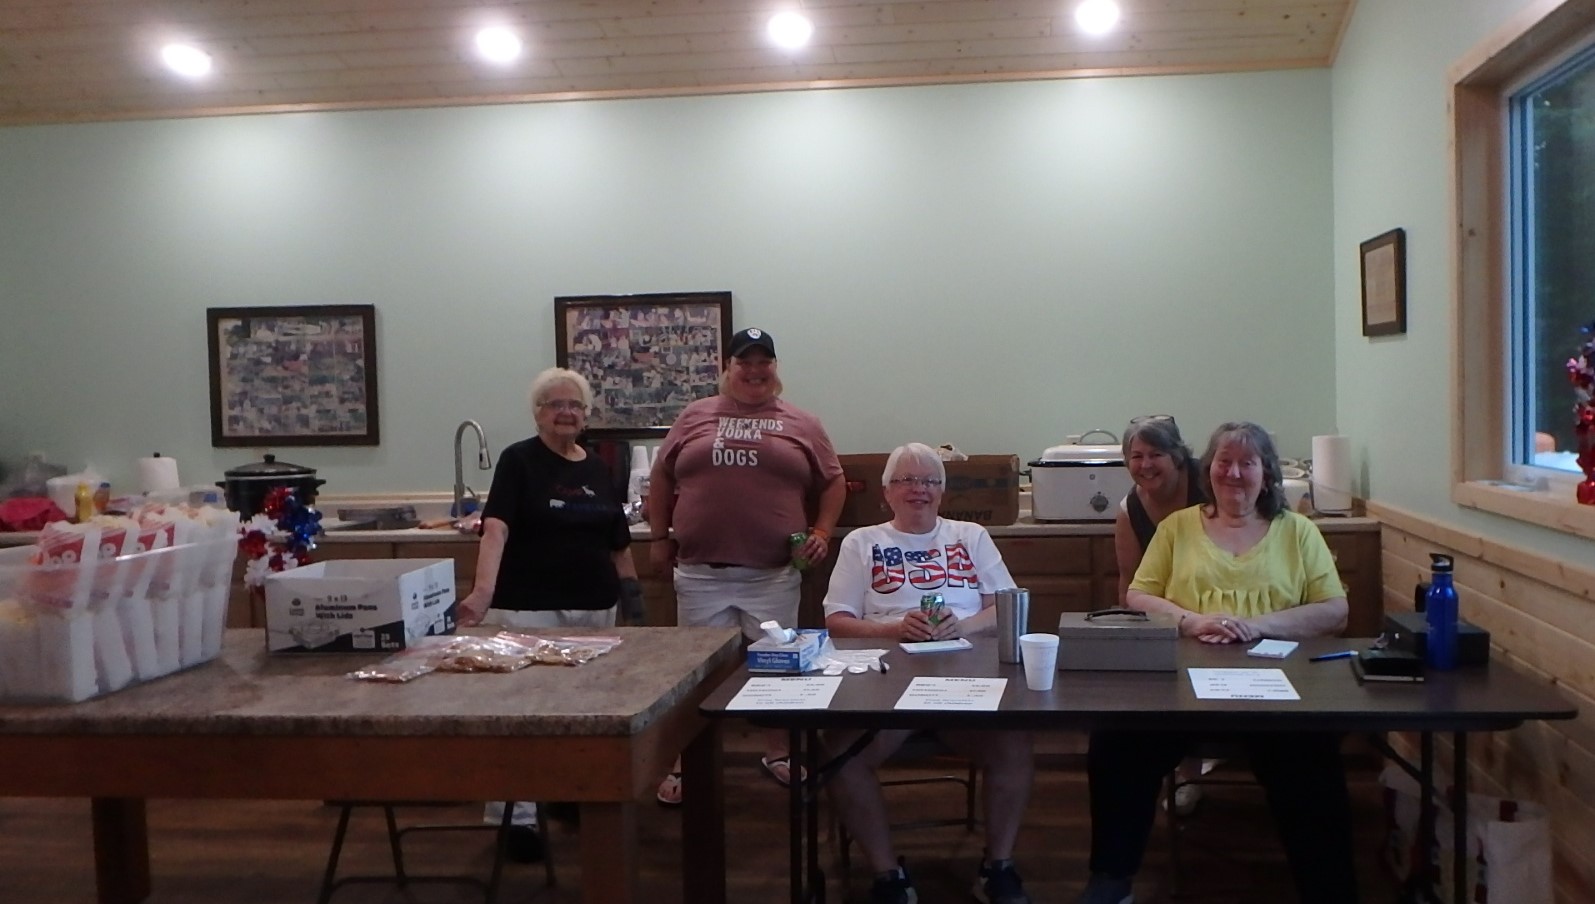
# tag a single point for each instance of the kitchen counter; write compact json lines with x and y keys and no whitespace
{"x":1024,"y":527}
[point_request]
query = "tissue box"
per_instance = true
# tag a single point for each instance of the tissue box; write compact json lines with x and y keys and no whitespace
{"x":793,"y":658}
{"x":1117,"y":641}
{"x":359,"y":605}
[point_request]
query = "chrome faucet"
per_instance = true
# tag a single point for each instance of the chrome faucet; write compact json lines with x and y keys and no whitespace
{"x":484,"y":461}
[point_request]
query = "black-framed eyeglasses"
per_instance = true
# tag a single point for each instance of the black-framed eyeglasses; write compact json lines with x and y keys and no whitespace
{"x":927,"y":483}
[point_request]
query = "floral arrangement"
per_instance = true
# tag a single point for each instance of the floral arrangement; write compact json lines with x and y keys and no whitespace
{"x":280,"y":537}
{"x":1581,"y":371}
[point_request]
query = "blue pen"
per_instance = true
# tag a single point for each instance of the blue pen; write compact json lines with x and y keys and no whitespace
{"x":1343,"y":654}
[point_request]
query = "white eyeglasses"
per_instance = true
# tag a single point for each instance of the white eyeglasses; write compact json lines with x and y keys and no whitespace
{"x":927,"y":483}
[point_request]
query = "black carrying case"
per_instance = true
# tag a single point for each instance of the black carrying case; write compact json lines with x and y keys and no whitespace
{"x":1409,"y":631}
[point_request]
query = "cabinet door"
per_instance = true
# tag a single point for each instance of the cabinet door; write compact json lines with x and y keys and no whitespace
{"x":658,"y":586}
{"x":1050,"y":597}
{"x":1357,"y":559}
{"x":464,"y":555}
{"x":1045,"y":555}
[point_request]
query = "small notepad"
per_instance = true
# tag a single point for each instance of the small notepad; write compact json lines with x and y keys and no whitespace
{"x":935,"y":646}
{"x":1273,"y":649}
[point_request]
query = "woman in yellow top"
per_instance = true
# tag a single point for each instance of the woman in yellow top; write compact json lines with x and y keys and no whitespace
{"x":1236,"y":570}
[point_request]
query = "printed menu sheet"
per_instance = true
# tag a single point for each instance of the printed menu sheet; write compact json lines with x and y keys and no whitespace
{"x":955,"y":694}
{"x":1242,"y":684}
{"x":786,"y":693}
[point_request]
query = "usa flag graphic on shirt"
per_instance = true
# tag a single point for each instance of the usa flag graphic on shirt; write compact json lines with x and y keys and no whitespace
{"x":924,"y":569}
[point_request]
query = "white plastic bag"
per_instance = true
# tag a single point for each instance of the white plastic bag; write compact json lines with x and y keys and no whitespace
{"x":1508,"y":844}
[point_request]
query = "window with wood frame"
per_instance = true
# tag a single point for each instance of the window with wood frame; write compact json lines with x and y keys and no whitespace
{"x":1523,"y":114}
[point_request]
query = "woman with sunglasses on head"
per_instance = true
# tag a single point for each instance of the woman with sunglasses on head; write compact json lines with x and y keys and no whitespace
{"x":881,"y":574}
{"x":555,"y":549}
{"x":737,"y":476}
{"x":1167,"y":479}
{"x":1235,"y":570}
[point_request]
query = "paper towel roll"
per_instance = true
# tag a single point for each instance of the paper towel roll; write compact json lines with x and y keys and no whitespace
{"x":1332,"y":473}
{"x":156,"y":474}
{"x":639,"y":458}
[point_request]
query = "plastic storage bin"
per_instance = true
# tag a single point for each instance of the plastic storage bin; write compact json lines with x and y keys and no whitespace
{"x":75,"y":630}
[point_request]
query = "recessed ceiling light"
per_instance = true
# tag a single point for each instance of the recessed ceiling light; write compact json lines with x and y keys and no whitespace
{"x":186,"y":60}
{"x":1097,"y":16}
{"x":498,"y":45}
{"x":790,"y":30}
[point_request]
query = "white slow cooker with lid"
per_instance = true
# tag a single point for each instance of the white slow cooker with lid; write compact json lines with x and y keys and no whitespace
{"x":1079,"y":481}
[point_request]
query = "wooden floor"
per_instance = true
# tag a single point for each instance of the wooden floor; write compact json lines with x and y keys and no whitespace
{"x":259,"y":852}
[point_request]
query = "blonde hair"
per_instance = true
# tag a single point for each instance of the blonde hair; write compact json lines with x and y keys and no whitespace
{"x":775,"y":378}
{"x":544,"y":383}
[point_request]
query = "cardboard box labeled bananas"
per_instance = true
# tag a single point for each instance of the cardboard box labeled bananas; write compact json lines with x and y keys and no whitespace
{"x":984,"y":489}
{"x":375,"y":605}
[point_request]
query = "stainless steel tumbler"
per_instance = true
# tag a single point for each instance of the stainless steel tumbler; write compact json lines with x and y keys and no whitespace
{"x":1013,"y":618}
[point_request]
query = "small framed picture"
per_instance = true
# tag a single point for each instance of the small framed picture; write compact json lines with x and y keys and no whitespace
{"x":293,"y":376}
{"x":1384,"y":284}
{"x":647,"y":356}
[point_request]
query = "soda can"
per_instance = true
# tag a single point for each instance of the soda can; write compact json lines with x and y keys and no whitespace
{"x":796,"y":541}
{"x":933,"y":605}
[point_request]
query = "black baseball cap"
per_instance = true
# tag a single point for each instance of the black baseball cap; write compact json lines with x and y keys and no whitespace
{"x":751,"y":338}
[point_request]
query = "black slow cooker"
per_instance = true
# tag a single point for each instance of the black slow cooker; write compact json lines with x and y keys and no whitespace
{"x":247,"y":485}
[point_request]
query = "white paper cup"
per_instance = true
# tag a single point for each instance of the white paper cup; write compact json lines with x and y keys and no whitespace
{"x":1040,"y":655}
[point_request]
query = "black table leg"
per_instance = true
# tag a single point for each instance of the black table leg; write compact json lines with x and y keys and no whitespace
{"x":1459,"y":817}
{"x":794,"y":741}
{"x":1426,"y":820}
{"x":812,"y":814}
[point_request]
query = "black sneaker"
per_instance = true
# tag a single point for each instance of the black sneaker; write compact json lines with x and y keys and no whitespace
{"x":1107,"y":890}
{"x":894,"y":888}
{"x":523,"y":844}
{"x":567,"y":812}
{"x":999,"y":883}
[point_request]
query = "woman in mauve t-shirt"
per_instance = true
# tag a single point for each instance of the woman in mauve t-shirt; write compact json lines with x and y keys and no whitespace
{"x":734,"y":480}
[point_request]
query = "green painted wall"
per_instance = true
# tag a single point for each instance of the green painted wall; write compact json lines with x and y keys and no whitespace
{"x":990,"y":265}
{"x":1392,"y":168}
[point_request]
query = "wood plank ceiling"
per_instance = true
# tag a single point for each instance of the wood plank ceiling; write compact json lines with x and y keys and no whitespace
{"x":81,"y":60}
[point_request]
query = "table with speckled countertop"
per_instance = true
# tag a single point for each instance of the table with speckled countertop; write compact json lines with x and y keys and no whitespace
{"x":270,"y":726}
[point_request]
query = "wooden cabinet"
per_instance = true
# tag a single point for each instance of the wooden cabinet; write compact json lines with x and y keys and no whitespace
{"x":1357,"y":558}
{"x":1058,"y":571}
{"x":1081,"y":573}
{"x":1075,"y":573}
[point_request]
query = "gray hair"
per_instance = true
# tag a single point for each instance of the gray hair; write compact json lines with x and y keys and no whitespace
{"x":544,"y":383}
{"x":1271,"y":501}
{"x":916,"y":453}
{"x":1161,"y":433}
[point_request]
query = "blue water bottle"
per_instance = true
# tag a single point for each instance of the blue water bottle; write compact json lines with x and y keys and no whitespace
{"x":1440,"y":612}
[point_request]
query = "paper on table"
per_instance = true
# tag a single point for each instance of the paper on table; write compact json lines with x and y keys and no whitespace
{"x":1242,"y":684}
{"x":786,"y":693}
{"x":958,"y":694}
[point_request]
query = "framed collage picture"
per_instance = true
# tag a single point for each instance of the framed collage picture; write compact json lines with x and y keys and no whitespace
{"x":646,"y":356}
{"x":293,"y":376}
